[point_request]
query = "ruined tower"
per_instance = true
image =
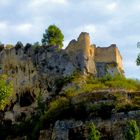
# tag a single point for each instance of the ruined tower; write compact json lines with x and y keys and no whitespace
{"x":95,"y":60}
{"x":81,"y":53}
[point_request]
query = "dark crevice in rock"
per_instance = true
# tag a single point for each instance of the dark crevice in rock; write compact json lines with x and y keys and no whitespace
{"x":26,"y":99}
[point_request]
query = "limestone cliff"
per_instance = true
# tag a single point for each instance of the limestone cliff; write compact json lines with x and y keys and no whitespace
{"x":42,"y":71}
{"x":30,"y":68}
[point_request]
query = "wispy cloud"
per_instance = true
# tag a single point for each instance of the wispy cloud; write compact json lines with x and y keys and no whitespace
{"x":112,"y":6}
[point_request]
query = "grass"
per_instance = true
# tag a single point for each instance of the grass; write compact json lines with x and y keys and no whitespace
{"x":89,"y":84}
{"x":76,"y":87}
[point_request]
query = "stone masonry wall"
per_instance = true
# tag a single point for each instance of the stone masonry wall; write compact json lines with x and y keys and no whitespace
{"x":108,"y":55}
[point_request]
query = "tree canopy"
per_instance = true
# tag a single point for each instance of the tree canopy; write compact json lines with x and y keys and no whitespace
{"x":53,"y":36}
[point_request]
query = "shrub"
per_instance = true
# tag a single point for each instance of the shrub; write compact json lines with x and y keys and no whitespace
{"x":55,"y":110}
{"x":115,"y":82}
{"x":126,"y":107}
{"x":132,"y":131}
{"x":6,"y":91}
{"x":103,"y":110}
{"x":94,"y":134}
{"x":138,"y":60}
{"x":120,"y":82}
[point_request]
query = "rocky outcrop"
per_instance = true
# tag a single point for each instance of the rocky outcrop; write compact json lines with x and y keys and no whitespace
{"x":29,"y":68}
{"x":37,"y":74}
{"x":77,"y":129}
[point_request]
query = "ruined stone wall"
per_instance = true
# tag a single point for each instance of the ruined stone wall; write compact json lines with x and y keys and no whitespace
{"x":105,"y":54}
{"x":108,"y":55}
{"x":86,"y":56}
{"x":81,"y":53}
{"x":119,"y":59}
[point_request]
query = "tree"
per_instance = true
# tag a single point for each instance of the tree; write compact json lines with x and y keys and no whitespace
{"x":18,"y":45}
{"x":94,"y":133}
{"x":36,"y":44}
{"x":6,"y":90}
{"x":53,"y":36}
{"x":138,"y":58}
{"x":132,"y":131}
{"x":1,"y":46}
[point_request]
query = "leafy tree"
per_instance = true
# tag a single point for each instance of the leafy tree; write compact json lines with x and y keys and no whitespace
{"x":36,"y":44}
{"x":6,"y":91}
{"x":94,"y":133}
{"x":138,"y":58}
{"x":1,"y":46}
{"x":53,"y":36}
{"x":132,"y":131}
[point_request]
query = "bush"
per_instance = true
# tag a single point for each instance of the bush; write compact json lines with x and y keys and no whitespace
{"x":132,"y":131}
{"x":94,"y":134}
{"x":114,"y":82}
{"x":103,"y":110}
{"x":120,"y":82}
{"x":138,"y":60}
{"x":6,"y":91}
{"x":56,"y":109}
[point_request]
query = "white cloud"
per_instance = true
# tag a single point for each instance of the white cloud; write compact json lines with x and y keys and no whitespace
{"x":23,"y":28}
{"x":3,"y":29}
{"x":40,"y":3}
{"x":112,"y":6}
{"x":90,"y":28}
{"x":3,"y":25}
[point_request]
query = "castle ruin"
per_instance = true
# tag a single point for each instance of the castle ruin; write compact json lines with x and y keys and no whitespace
{"x":95,"y":60}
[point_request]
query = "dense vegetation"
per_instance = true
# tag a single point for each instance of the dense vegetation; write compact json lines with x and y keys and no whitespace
{"x":77,"y":94}
{"x":6,"y":91}
{"x":90,"y":84}
{"x":94,"y":134}
{"x":138,"y":58}
{"x":132,"y":131}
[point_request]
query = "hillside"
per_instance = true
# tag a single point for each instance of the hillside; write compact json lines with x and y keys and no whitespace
{"x":67,"y":94}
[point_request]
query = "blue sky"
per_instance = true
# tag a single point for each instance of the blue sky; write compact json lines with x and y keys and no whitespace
{"x":107,"y":21}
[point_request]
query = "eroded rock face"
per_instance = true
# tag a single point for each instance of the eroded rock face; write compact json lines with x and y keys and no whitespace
{"x":79,"y":130}
{"x":34,"y":71}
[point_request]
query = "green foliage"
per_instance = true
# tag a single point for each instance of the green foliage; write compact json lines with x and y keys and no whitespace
{"x":89,"y":84}
{"x":126,"y":107}
{"x":40,"y":103}
{"x":36,"y":45}
{"x":119,"y":82}
{"x":138,"y":60}
{"x":56,"y":107}
{"x":6,"y":91}
{"x":53,"y":36}
{"x":94,"y":133}
{"x":104,"y":110}
{"x":132,"y":131}
{"x":56,"y":110}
